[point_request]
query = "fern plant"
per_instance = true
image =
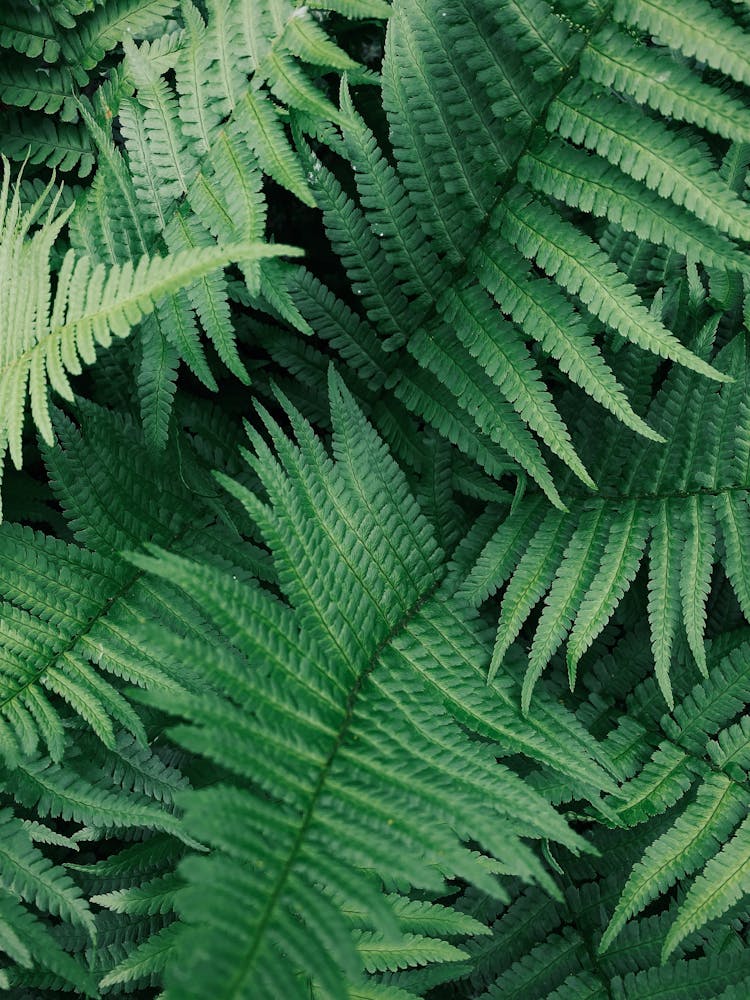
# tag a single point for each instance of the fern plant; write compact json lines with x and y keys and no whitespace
{"x":674,"y":504}
{"x":48,"y":339}
{"x":397,"y":645}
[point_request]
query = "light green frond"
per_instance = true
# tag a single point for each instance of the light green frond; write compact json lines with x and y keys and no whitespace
{"x":434,"y":920}
{"x":388,"y":210}
{"x":173,"y":161}
{"x":107,"y":24}
{"x":174,"y":325}
{"x":201,"y":106}
{"x":113,"y":172}
{"x":151,"y":193}
{"x":52,"y":636}
{"x":132,"y":767}
{"x":373,"y":990}
{"x":229,"y":54}
{"x":289,"y":83}
{"x":92,"y":304}
{"x":430,"y":158}
{"x":336,"y":322}
{"x":231,"y":203}
{"x":132,"y":865}
{"x":369,"y":270}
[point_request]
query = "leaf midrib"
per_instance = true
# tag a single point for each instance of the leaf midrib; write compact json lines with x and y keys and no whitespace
{"x":237,"y":987}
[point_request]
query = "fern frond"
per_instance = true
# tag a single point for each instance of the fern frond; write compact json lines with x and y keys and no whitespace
{"x":92,"y":304}
{"x":583,"y":269}
{"x":25,"y":872}
{"x":705,"y":824}
{"x":698,"y":31}
{"x":693,"y":837}
{"x":202,"y":104}
{"x":107,"y":24}
{"x":64,"y":146}
{"x":51,"y":637}
{"x":585,"y":182}
{"x":168,"y":147}
{"x":348,"y":523}
{"x":542,"y":970}
{"x":690,"y":979}
{"x":307,"y":40}
{"x":23,"y":87}
{"x":18,"y":926}
{"x":636,"y":515}
{"x":673,"y":164}
{"x":61,"y":793}
{"x":614,"y":59}
{"x":723,"y":881}
{"x":354,"y":8}
{"x":259,"y":122}
{"x":472,"y":214}
{"x":146,"y":960}
{"x":255,"y":737}
{"x":30,"y":32}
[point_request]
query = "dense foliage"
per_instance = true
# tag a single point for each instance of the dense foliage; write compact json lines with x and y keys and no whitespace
{"x":375,"y":543}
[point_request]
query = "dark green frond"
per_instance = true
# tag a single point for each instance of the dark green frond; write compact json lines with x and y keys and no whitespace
{"x":366,"y":628}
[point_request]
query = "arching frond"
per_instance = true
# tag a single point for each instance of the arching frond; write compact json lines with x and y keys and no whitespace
{"x":523,"y":113}
{"x":706,"y":836}
{"x":585,"y":561}
{"x":356,"y":559}
{"x":92,"y":304}
{"x":256,"y":740}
